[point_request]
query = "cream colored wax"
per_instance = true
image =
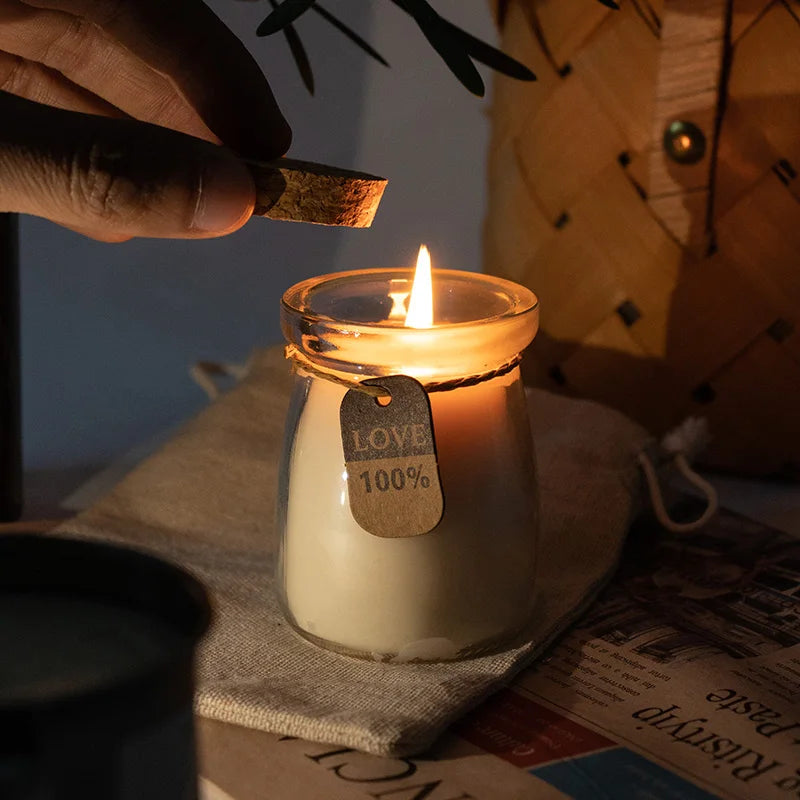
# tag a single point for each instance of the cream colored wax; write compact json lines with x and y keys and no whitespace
{"x":465,"y":584}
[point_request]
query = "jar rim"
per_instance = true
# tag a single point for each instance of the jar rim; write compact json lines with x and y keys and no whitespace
{"x":520,"y":299}
{"x":483,"y":322}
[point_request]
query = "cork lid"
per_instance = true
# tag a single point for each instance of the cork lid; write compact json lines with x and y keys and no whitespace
{"x":302,"y":191}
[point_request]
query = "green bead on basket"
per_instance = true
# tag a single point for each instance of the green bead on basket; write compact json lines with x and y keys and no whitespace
{"x":684,"y":142}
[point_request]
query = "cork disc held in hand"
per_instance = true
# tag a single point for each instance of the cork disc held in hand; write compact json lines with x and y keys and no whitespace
{"x":302,"y":191}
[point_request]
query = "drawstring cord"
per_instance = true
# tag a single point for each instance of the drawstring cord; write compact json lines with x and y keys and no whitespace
{"x":681,"y":444}
{"x":205,"y":373}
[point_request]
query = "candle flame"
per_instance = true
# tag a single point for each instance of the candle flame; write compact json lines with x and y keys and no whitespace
{"x":420,"y":306}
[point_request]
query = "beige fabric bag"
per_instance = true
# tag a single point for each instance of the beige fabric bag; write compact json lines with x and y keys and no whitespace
{"x":207,"y":501}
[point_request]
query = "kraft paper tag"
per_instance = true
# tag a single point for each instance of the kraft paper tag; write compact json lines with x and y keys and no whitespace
{"x":390,"y":454}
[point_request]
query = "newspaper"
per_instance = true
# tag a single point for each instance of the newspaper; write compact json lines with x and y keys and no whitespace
{"x":682,"y":681}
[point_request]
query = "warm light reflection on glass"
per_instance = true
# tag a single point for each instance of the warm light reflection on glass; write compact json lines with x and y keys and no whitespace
{"x":398,"y":305}
{"x":420,"y":306}
{"x":398,"y":294}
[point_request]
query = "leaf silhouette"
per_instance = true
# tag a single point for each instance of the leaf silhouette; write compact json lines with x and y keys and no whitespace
{"x":445,"y":43}
{"x":282,"y":15}
{"x":491,"y":56}
{"x":298,"y":52}
{"x":456,"y":46}
{"x":350,"y":34}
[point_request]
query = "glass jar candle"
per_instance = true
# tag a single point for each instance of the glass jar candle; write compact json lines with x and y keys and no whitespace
{"x":466,"y":586}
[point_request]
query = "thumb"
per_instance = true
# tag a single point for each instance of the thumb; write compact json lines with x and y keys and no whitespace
{"x":113,"y":179}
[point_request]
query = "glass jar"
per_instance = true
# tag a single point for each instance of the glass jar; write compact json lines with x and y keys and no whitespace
{"x":467,"y":586}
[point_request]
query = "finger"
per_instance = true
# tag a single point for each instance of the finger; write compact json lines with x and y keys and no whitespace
{"x":117,"y":178}
{"x":90,"y":57}
{"x":185,"y":41}
{"x":42,"y":85}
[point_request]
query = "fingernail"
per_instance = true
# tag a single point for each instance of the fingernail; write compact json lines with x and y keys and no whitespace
{"x":227,"y":195}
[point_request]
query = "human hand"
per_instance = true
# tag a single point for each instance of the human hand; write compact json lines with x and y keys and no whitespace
{"x":112,"y":113}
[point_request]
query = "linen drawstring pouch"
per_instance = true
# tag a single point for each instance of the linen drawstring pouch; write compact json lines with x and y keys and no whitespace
{"x":207,"y":501}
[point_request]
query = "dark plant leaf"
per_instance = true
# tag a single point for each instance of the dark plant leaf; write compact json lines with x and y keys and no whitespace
{"x":282,"y":15}
{"x":298,"y":53}
{"x":300,"y":57}
{"x":446,"y":45}
{"x":491,"y":56}
{"x":350,"y":34}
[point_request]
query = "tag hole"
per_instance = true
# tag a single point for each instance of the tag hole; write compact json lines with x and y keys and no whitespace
{"x":383,"y":400}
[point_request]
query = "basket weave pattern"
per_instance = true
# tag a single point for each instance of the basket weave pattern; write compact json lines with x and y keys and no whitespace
{"x":666,"y":289}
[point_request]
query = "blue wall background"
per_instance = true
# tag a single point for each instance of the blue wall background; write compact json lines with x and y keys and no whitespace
{"x":109,"y":331}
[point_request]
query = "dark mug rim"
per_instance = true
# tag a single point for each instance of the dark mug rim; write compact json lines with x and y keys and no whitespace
{"x":116,"y":575}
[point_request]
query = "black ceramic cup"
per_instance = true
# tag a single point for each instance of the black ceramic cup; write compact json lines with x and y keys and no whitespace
{"x":96,"y":672}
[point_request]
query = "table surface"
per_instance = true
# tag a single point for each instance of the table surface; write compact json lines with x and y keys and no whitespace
{"x":251,"y":765}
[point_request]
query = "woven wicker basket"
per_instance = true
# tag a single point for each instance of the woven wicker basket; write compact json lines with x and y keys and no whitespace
{"x":645,"y":187}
